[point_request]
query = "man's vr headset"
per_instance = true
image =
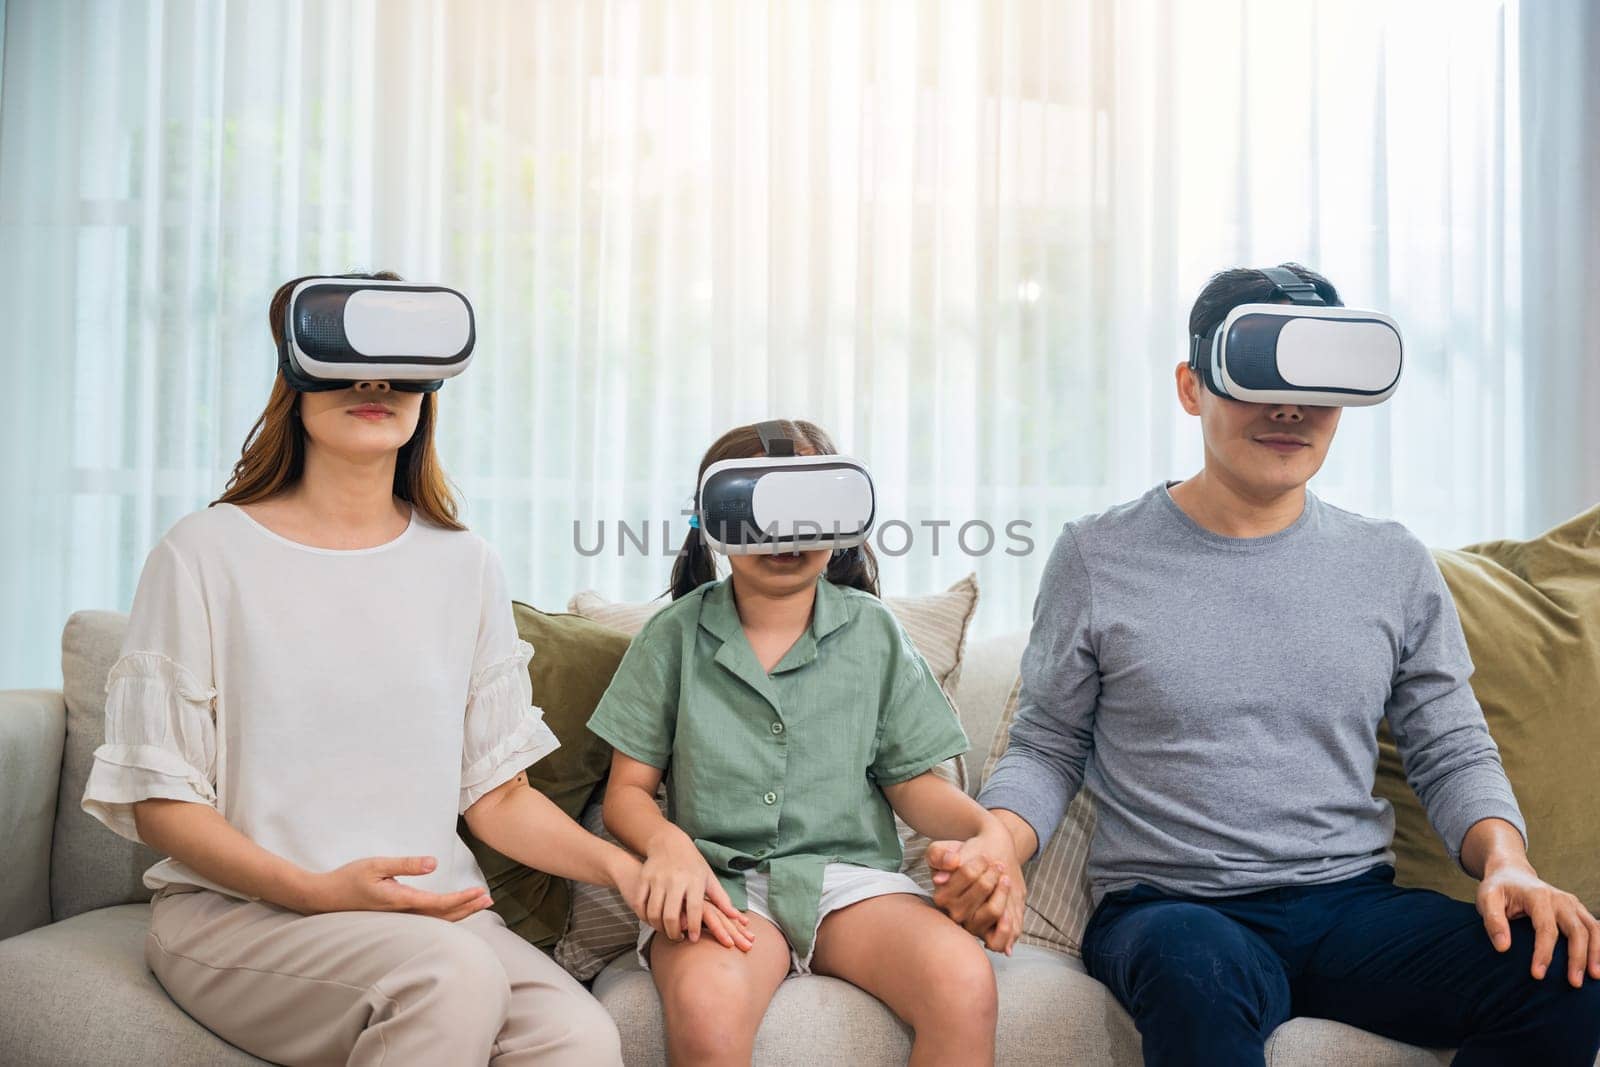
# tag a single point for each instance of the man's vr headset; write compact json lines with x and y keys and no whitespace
{"x":343,"y":330}
{"x":782,"y":502}
{"x":1302,"y":352}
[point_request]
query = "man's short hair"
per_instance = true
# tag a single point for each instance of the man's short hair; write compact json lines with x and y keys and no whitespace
{"x":1247,"y":285}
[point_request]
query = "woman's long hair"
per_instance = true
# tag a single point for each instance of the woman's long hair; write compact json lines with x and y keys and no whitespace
{"x":274,"y":452}
{"x":696,"y":565}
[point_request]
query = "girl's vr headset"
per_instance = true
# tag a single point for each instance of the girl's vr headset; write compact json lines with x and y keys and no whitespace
{"x":1302,"y":352}
{"x":782,"y":502}
{"x":343,"y":330}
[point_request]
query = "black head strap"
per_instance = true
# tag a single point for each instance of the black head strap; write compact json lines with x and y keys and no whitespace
{"x":1291,"y":285}
{"x":774,"y":438}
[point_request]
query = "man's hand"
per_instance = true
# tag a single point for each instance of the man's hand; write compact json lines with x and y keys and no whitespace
{"x":1513,"y":890}
{"x":978,"y":883}
{"x":1509,"y":888}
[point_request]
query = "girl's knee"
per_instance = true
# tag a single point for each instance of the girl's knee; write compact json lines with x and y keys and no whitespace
{"x":709,"y":1009}
{"x":961,"y":985}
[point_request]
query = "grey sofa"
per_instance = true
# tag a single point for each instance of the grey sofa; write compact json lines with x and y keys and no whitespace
{"x":74,"y":988}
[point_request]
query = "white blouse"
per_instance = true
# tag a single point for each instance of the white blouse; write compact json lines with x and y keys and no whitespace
{"x":331,"y":704}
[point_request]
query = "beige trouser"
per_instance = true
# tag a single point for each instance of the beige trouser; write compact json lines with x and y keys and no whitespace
{"x":371,"y":987}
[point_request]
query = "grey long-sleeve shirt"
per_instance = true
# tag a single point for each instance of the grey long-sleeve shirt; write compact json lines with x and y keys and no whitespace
{"x":1220,"y":699}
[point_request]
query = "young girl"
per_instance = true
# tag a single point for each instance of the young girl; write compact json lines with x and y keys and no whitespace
{"x":321,"y":671}
{"x":796,"y":718}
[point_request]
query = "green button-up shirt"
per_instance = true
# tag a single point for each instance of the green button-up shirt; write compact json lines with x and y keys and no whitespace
{"x":783,"y":771}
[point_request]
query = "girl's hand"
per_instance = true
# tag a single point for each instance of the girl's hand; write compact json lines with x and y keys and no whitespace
{"x":678,"y":886}
{"x":369,"y":885}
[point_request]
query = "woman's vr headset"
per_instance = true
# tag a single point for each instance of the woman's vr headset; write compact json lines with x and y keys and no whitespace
{"x":782,"y":502}
{"x":343,"y":330}
{"x":1303,"y":352}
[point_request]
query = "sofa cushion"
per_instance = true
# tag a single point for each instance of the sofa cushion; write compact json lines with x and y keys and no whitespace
{"x":1051,"y":1012}
{"x":79,"y":992}
{"x":573,"y":661}
{"x":90,"y":867}
{"x":1531,"y":614}
{"x":33,"y":728}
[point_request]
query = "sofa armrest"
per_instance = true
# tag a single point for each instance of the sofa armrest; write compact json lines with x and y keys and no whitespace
{"x":33,"y":729}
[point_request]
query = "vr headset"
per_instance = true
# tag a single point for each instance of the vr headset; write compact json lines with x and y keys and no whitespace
{"x":1302,"y":352}
{"x":342,"y":330}
{"x":782,"y":502}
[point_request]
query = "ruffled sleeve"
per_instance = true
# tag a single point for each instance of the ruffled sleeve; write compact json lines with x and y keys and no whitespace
{"x":505,"y":733}
{"x":160,"y":727}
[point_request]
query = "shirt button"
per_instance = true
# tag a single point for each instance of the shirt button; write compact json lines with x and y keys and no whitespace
{"x":771,"y":798}
{"x":777,"y":727}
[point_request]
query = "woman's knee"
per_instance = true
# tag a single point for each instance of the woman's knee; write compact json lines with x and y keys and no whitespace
{"x":587,"y":1033}
{"x":455,"y":975}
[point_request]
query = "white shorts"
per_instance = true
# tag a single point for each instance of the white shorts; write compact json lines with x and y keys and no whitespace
{"x":843,"y":884}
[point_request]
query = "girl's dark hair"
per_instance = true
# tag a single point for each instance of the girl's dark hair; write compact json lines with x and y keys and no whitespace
{"x":856,"y":567}
{"x":1246,"y":285}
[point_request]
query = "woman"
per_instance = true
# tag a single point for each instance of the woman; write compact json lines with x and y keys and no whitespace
{"x":320,"y":673}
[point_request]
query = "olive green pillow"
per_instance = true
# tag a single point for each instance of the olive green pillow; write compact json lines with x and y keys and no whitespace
{"x":573,"y":661}
{"x":1531,"y":613}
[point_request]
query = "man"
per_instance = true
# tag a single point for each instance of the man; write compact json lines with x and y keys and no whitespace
{"x":1212,"y":661}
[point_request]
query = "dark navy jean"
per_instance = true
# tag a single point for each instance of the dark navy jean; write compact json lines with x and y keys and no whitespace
{"x":1208,"y":979}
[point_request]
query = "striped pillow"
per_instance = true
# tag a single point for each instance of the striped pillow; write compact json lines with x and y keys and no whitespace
{"x":600,"y":925}
{"x":1059,"y":903}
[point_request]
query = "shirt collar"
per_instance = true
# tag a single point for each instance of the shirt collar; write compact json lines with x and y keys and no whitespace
{"x":720,"y":616}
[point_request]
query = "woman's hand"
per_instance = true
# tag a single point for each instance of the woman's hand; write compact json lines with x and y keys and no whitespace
{"x":369,"y":885}
{"x":679,"y":886}
{"x":732,"y":933}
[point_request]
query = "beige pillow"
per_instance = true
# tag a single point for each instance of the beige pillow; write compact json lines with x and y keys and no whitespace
{"x":1059,"y":902}
{"x":601,"y":926}
{"x":1531,"y":614}
{"x":937,"y":624}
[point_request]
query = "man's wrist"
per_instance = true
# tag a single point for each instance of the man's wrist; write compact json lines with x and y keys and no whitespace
{"x":1493,"y":845}
{"x":1023,"y":840}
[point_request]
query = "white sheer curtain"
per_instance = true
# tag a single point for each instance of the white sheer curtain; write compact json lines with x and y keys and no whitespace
{"x":963,"y":237}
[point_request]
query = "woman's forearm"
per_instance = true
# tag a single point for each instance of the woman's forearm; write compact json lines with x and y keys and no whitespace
{"x":197,"y":836}
{"x":522,"y":823}
{"x":937,"y":808}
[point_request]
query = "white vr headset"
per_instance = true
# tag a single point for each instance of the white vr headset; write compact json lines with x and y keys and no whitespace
{"x":782,"y":502}
{"x":1303,"y":352}
{"x":342,"y":330}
